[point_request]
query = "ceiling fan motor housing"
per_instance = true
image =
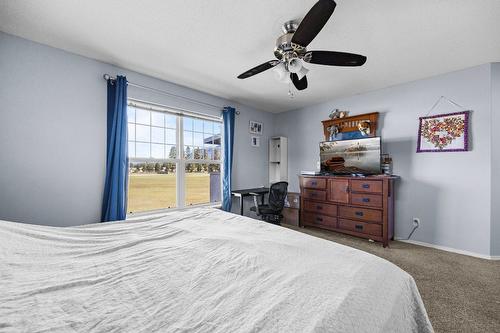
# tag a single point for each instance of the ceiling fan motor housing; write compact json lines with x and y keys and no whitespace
{"x":284,"y":49}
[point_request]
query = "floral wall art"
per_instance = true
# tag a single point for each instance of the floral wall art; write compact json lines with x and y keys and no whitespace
{"x":444,"y":133}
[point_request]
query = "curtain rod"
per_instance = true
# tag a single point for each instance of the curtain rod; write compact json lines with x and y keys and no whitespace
{"x":170,"y":109}
{"x":163,"y":92}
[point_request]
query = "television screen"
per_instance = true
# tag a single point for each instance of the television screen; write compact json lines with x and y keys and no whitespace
{"x":358,"y":156}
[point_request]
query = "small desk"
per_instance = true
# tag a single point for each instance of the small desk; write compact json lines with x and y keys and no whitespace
{"x":248,"y":192}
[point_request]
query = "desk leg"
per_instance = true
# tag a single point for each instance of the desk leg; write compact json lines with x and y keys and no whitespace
{"x":262,"y":199}
{"x":241,"y":205}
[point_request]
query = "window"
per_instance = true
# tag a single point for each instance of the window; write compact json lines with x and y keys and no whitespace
{"x":175,"y":160}
{"x":202,"y":144}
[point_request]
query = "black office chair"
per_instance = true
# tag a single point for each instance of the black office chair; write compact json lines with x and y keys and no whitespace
{"x":272,"y":211}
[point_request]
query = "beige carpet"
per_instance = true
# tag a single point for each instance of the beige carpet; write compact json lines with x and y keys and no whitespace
{"x":460,"y":293}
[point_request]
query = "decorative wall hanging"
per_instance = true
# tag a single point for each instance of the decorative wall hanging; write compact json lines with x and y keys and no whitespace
{"x":343,"y":114}
{"x":444,"y":132}
{"x":256,"y":127}
{"x":364,"y":127}
{"x":336,"y":114}
{"x":255,"y":141}
{"x":353,"y":127}
{"x":333,"y":130}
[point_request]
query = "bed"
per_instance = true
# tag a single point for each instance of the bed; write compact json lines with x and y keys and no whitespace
{"x":197,"y":270}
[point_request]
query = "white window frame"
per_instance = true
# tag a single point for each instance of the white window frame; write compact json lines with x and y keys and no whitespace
{"x":180,"y":161}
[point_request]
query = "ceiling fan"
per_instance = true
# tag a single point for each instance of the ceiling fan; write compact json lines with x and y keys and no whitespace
{"x":291,"y":49}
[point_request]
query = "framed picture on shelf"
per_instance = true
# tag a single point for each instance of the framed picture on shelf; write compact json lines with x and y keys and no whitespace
{"x":256,"y":127}
{"x":444,"y":133}
{"x":255,"y":141}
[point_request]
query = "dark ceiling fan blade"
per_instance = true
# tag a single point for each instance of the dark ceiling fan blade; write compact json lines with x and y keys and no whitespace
{"x":299,"y":84}
{"x":313,"y":22}
{"x":332,"y":58}
{"x":258,"y":69}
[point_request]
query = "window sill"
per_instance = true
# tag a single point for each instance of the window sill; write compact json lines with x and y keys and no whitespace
{"x":166,"y":210}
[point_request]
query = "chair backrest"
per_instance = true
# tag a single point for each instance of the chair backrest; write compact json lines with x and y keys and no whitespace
{"x":277,"y":195}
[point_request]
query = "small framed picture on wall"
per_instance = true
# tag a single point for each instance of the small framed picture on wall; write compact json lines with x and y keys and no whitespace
{"x":255,"y":141}
{"x":256,"y":127}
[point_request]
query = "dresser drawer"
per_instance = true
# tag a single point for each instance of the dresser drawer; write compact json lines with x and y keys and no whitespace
{"x":369,"y":186}
{"x":369,"y":200}
{"x":311,"y":182}
{"x":362,"y":227}
{"x":314,"y":194}
{"x":320,"y":208}
{"x":365,"y":214}
{"x":319,"y":220}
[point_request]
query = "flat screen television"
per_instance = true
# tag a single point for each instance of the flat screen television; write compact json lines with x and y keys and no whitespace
{"x":357,"y":156}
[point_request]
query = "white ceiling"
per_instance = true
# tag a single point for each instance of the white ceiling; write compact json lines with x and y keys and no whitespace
{"x":206,"y":44}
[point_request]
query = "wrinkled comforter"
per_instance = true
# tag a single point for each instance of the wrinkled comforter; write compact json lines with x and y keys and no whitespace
{"x":197,"y":270}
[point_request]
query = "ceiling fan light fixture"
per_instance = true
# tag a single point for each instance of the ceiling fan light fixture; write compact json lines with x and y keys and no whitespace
{"x":302,"y":72}
{"x":294,"y":65}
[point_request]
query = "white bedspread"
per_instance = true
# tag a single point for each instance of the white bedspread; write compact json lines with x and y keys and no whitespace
{"x":197,"y":270}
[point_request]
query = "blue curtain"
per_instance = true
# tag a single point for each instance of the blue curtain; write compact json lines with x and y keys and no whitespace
{"x":114,"y":205}
{"x":228,"y":116}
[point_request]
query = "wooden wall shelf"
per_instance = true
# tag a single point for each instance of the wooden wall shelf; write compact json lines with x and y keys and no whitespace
{"x":349,"y":124}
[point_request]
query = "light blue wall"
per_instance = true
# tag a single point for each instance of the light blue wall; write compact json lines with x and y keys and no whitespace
{"x":495,"y":159}
{"x":449,"y":192}
{"x":53,"y":132}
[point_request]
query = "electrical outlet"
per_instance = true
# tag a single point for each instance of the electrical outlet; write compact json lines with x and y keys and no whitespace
{"x":318,"y":165}
{"x":416,"y":222}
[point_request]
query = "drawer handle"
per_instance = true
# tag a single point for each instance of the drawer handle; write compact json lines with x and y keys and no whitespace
{"x":319,"y":207}
{"x":314,"y":183}
{"x":359,"y":213}
{"x":319,"y":219}
{"x":366,"y":185}
{"x":314,"y":194}
{"x":358,"y":227}
{"x":366,"y":199}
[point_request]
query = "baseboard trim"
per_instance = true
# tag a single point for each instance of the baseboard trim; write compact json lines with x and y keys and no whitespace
{"x":449,"y":249}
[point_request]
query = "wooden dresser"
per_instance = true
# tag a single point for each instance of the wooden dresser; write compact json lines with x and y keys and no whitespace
{"x":358,"y":206}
